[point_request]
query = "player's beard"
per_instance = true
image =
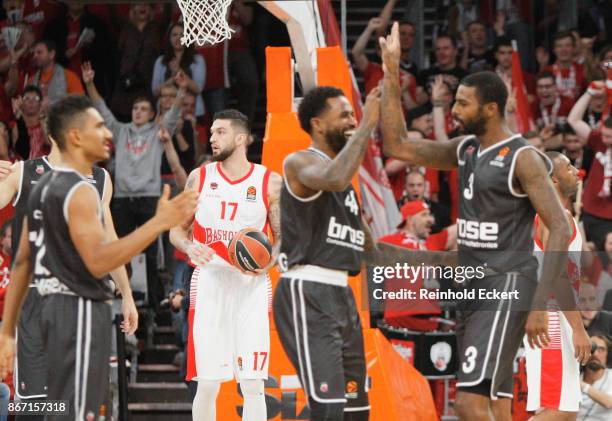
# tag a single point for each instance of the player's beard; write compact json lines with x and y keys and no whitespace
{"x":223,"y":155}
{"x":335,"y":140}
{"x":476,"y":126}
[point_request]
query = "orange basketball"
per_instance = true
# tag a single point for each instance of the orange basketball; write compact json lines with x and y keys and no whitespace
{"x":250,"y":250}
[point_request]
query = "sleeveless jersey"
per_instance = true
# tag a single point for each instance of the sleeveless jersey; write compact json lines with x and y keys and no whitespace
{"x":495,"y":223}
{"x":31,"y":171}
{"x":574,"y":252}
{"x":225,"y":207}
{"x":58,"y":267}
{"x":323,"y":230}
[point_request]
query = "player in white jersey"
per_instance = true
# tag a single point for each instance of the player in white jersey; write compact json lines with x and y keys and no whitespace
{"x":230,"y":328}
{"x":553,"y":377}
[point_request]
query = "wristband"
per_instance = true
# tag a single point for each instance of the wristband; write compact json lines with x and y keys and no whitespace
{"x":438,"y":103}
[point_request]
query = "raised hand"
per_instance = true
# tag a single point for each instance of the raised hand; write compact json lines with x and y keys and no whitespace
{"x":375,"y":24}
{"x":164,"y":135}
{"x":391,"y":50}
{"x":176,"y":211}
{"x":181,"y":79}
{"x":438,"y":89}
{"x":542,"y":57}
{"x":87,"y":73}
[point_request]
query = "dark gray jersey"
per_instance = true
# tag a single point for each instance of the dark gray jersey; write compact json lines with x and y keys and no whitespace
{"x":495,"y":224}
{"x":323,"y":230}
{"x":58,"y":267}
{"x":31,"y":171}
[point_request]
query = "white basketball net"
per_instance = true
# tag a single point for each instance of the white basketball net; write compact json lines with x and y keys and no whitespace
{"x":205,"y":21}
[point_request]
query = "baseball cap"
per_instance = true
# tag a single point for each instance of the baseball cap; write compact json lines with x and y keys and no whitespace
{"x":410,"y":209}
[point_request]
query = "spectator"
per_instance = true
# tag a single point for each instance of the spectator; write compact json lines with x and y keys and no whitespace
{"x":579,"y":155}
{"x":597,"y":199}
{"x":446,"y":65}
{"x":549,"y":110}
{"x":177,"y":58}
{"x":476,"y":57}
{"x":593,"y":318}
{"x":373,"y":72}
{"x":569,"y":76}
{"x":407,"y":32}
{"x":596,"y":383}
{"x":138,"y":49}
{"x":29,"y":139}
{"x":416,"y":189}
{"x":595,"y":112}
{"x":35,"y":13}
{"x":217,"y":79}
{"x":242,"y":67}
{"x":21,"y":64}
{"x":137,"y":168}
{"x":54,"y":81}
{"x":536,"y":141}
{"x":503,"y":58}
{"x":65,"y":31}
{"x":460,"y":15}
{"x":414,"y":232}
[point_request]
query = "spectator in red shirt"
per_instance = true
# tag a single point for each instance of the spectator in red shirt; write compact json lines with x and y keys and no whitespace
{"x":549,"y":109}
{"x":597,"y":196}
{"x":568,"y":75}
{"x":414,"y":233}
{"x":373,"y":72}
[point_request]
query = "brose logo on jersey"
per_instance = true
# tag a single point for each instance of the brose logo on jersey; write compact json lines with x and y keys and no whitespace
{"x":345,"y":235}
{"x":477,"y":234}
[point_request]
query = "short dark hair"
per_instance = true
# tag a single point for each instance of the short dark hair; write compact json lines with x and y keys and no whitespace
{"x":502,"y":41}
{"x":144,"y":98}
{"x":608,"y":123}
{"x":564,"y":34}
{"x":237,"y":119}
{"x":489,"y":88}
{"x":315,"y":103}
{"x":50,"y":44}
{"x":62,"y":113}
{"x":476,"y":22}
{"x":407,"y":22}
{"x":544,"y":75}
{"x":453,"y":40}
{"x":32,"y":88}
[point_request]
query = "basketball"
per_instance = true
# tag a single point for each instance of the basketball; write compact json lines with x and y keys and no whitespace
{"x":250,"y":249}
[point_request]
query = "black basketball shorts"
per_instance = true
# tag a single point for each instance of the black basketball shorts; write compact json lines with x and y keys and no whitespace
{"x":30,"y":374}
{"x":319,"y":327}
{"x":77,"y":335}
{"x":489,"y":334}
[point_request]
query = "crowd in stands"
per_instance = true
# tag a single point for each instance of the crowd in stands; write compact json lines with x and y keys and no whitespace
{"x":157,"y":96}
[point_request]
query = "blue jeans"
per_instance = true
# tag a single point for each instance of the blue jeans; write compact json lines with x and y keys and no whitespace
{"x":5,"y":395}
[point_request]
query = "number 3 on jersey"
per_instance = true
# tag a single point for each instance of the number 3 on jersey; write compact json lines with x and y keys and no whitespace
{"x":468,"y":192}
{"x":351,"y":203}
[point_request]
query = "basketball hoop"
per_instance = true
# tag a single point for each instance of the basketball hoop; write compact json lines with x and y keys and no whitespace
{"x":204,"y":21}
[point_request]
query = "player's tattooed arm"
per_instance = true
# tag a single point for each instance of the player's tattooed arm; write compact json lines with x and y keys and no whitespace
{"x":180,"y":236}
{"x":383,"y":254}
{"x":396,"y":144}
{"x":274,"y":189}
{"x":308,"y":173}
